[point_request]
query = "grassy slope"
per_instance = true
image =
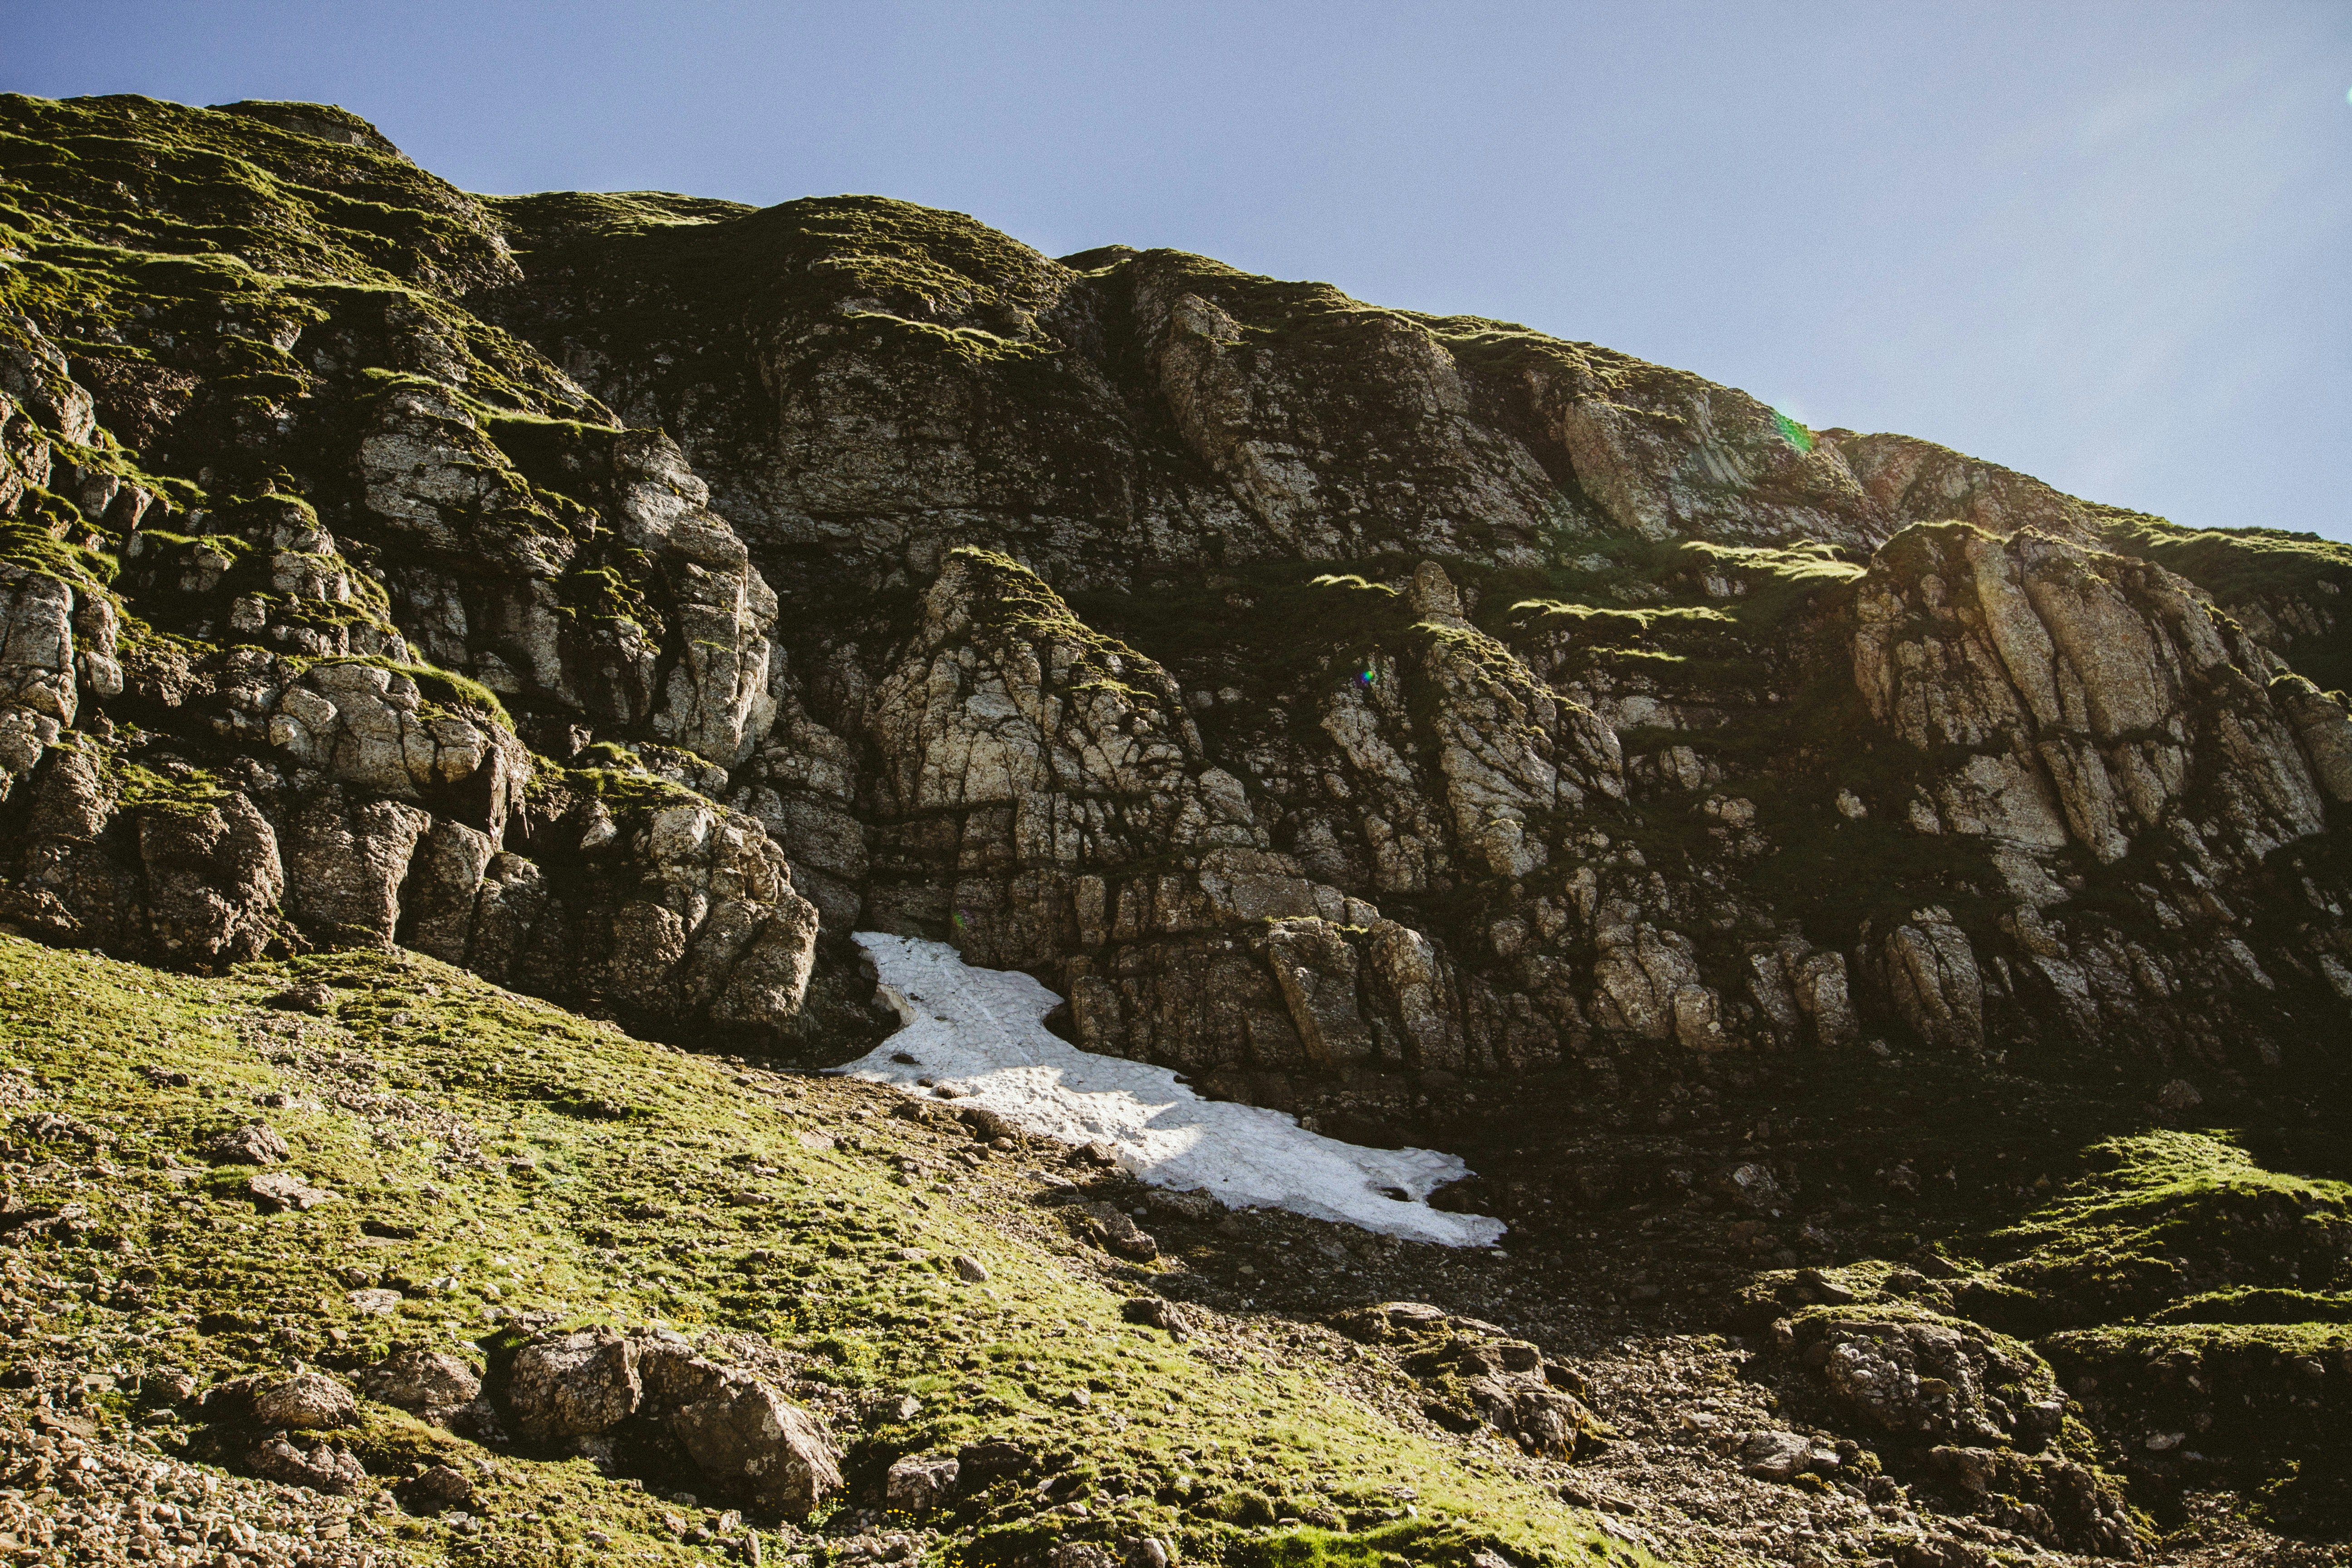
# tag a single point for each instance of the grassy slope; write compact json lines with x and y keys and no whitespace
{"x":516,"y":1141}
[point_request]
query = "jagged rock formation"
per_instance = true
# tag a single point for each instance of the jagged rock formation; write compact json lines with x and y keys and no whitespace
{"x":1330,"y":699}
{"x":1415,"y":722}
{"x":1318,"y":695}
{"x":336,"y":559}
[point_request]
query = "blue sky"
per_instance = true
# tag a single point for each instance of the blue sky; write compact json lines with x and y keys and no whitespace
{"x":2105,"y":244}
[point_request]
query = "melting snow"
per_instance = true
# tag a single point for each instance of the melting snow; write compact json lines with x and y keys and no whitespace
{"x":982,"y":1031}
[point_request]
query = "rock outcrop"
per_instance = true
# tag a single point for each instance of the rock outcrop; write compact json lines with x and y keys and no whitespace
{"x":627,"y":599}
{"x":743,"y":1437}
{"x":428,"y":649}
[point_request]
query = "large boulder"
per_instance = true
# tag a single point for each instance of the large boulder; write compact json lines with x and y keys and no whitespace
{"x":578,"y":1384}
{"x":429,"y":1383}
{"x":746,"y":1439}
{"x":920,"y":1482}
{"x":321,"y":1467}
{"x":1929,"y":1377}
{"x":304,"y":1402}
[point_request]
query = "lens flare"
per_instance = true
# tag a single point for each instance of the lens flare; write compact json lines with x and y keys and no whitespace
{"x":1791,"y":432}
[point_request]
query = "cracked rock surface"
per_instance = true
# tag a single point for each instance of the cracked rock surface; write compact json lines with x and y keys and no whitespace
{"x":1831,"y":889}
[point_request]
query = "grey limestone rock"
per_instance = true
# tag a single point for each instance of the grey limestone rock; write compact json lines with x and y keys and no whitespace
{"x":742,"y":1433}
{"x":213,"y":881}
{"x":920,"y":1482}
{"x":321,"y":1467}
{"x":1775,"y":1456}
{"x":442,"y":1485}
{"x":252,"y":1143}
{"x":580,"y":1384}
{"x":1929,"y":1376}
{"x":306,"y":1401}
{"x":1932,"y":972}
{"x":428,"y":1382}
{"x":275,"y":1192}
{"x":1180,"y":1320}
{"x":38,"y":692}
{"x":1114,"y":1230}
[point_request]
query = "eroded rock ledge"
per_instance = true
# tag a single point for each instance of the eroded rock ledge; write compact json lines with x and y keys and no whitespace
{"x":1339,"y":704}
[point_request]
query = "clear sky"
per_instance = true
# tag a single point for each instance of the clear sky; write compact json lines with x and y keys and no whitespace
{"x":2103,"y":243}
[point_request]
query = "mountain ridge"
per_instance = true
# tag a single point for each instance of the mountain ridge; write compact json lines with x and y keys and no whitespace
{"x":1436,"y":730}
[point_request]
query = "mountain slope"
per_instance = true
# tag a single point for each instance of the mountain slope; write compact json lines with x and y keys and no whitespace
{"x":478,"y":1150}
{"x":1756,"y":849}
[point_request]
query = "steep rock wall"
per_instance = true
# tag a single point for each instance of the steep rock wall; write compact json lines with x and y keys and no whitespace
{"x":628,"y":597}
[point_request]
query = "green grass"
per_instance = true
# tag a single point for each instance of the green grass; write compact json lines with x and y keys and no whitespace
{"x":2166,"y":1218}
{"x":2249,"y":567}
{"x":528,"y":1157}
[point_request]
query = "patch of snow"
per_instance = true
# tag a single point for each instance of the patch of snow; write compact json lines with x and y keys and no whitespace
{"x":981,"y":1032}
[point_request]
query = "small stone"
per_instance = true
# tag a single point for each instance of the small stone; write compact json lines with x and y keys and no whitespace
{"x":416,"y":1378}
{"x":969,"y":1267}
{"x":316,"y":999}
{"x":1975,"y":1468}
{"x":893,"y":1409}
{"x":987,"y":1126}
{"x":1823,"y":1287}
{"x":1157,"y":1312}
{"x":278,"y":1190}
{"x":442,"y":1485}
{"x":251,"y":1144}
{"x":920,"y":1482}
{"x":375,"y":1301}
{"x":2039,"y":1421}
{"x":1751,"y":1186}
{"x":1118,"y":1232}
{"x":1775,"y":1456}
{"x":1195,"y":1205}
{"x":305,"y":1402}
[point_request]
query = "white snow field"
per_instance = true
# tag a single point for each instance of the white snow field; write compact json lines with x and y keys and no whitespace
{"x":981,"y":1031}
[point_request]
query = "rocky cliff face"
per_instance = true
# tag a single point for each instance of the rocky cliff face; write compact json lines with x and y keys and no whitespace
{"x":1415,"y":722}
{"x":625,"y":596}
{"x":1341,"y":695}
{"x":310,"y":571}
